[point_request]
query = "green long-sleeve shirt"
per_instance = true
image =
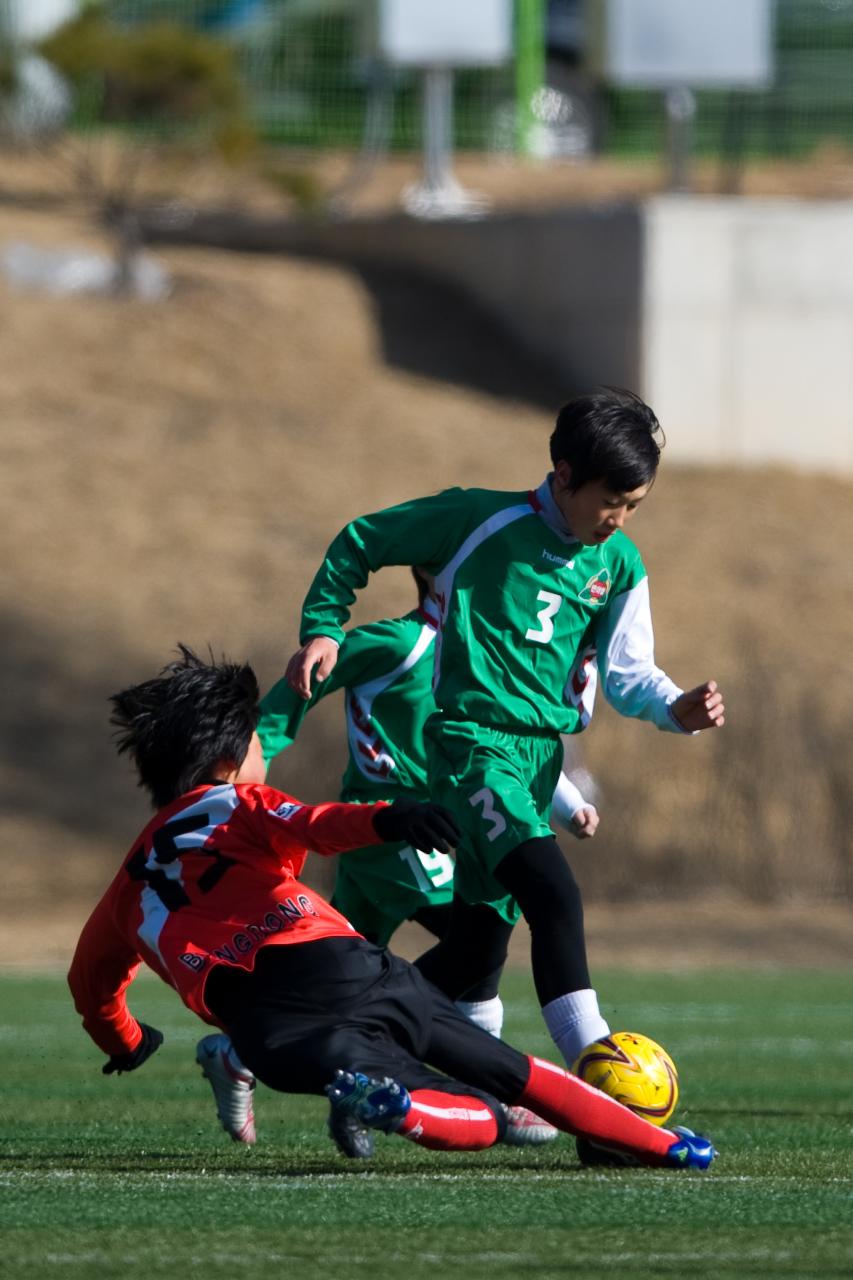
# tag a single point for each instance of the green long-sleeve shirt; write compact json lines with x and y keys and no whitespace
{"x":529,"y":615}
{"x":385,"y":670}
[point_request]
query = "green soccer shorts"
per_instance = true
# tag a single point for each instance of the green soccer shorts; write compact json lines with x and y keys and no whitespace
{"x":379,"y":887}
{"x":499,"y":787}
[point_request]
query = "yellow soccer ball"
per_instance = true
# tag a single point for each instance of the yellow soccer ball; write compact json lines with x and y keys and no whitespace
{"x":635,"y":1071}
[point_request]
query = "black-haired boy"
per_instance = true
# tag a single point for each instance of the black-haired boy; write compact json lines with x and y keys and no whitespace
{"x":540,"y":592}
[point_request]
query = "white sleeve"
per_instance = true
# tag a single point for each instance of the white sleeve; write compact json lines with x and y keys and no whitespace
{"x":567,"y":800}
{"x":625,"y":648}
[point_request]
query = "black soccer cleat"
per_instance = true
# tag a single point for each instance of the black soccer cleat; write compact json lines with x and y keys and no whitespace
{"x":349,"y":1135}
{"x":591,"y":1154}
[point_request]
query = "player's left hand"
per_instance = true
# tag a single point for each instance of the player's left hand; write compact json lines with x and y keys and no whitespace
{"x":150,"y":1043}
{"x":584,"y":822}
{"x":700,"y":708}
{"x":428,"y":827}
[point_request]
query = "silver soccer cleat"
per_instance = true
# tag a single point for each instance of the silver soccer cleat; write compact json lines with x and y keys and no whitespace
{"x":232,"y":1085}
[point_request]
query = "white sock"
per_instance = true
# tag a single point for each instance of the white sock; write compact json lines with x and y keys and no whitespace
{"x":574,"y":1021}
{"x":488,"y":1014}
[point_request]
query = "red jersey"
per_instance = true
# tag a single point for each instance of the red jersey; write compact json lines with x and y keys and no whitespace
{"x":211,"y":880}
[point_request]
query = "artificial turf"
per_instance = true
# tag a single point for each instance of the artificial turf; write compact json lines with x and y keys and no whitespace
{"x":131,"y":1176}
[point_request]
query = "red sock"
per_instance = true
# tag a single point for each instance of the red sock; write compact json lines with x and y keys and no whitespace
{"x":449,"y":1122}
{"x":577,"y":1108}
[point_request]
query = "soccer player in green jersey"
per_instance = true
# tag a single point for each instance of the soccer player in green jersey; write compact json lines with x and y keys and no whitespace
{"x":540,"y":594}
{"x":385,"y":672}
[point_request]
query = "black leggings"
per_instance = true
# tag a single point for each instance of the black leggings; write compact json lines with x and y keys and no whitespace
{"x":468,"y":961}
{"x":435,"y":920}
{"x":541,"y":881}
{"x":475,"y":944}
{"x":438,"y":920}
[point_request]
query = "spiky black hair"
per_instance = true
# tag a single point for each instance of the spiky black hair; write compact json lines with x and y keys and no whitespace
{"x":609,"y":435}
{"x":179,"y":726}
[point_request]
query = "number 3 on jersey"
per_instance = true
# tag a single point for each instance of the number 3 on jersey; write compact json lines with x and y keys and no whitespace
{"x":545,"y":631}
{"x":497,"y":821}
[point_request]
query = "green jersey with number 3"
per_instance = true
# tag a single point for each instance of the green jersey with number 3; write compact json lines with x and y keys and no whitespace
{"x":529,"y":615}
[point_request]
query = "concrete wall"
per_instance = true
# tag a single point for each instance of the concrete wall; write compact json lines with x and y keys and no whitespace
{"x":733,"y":317}
{"x":747,"y":329}
{"x":566,"y":284}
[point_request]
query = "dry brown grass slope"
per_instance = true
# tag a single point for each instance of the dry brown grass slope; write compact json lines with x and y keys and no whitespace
{"x":175,"y":472}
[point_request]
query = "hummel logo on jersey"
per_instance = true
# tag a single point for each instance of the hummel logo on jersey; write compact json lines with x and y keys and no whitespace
{"x":549,"y":555}
{"x":287,"y":810}
{"x":597,"y":588}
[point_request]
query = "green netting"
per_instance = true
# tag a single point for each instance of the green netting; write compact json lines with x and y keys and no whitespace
{"x":313,"y":79}
{"x":809,"y":102}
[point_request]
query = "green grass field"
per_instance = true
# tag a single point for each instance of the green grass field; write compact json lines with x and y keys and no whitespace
{"x":130,"y":1176}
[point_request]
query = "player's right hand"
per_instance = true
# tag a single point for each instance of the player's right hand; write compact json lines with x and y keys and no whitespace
{"x":428,"y":827}
{"x":584,"y":822}
{"x":320,"y":652}
{"x":150,"y":1043}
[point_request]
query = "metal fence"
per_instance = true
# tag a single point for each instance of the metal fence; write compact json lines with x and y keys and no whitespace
{"x":809,"y":102}
{"x":314,"y":80}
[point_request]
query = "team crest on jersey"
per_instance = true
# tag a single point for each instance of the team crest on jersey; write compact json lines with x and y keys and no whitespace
{"x":597,"y":588}
{"x":287,"y":810}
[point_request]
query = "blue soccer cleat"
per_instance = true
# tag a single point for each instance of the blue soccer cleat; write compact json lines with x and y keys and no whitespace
{"x":691,"y":1152}
{"x":373,"y":1104}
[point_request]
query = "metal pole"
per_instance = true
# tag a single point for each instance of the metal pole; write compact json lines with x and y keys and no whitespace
{"x":680,"y":115}
{"x":438,"y":194}
{"x":438,"y":128}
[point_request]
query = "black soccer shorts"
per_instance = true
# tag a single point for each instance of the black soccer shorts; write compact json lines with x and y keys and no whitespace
{"x":310,"y":1009}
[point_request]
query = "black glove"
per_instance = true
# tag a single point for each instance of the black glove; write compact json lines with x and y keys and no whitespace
{"x":150,"y":1043}
{"x":426,"y":826}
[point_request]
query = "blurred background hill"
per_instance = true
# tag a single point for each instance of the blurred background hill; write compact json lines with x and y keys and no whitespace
{"x":174,"y":470}
{"x":175,"y":473}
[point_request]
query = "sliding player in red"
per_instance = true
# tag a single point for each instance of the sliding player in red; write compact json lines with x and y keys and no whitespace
{"x":209,"y":898}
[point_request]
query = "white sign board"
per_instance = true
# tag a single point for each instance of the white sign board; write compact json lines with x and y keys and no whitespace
{"x":34,"y":19}
{"x":661,"y":43}
{"x":446,"y":33}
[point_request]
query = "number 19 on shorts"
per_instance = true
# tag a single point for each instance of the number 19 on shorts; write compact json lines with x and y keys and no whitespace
{"x":431,"y":870}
